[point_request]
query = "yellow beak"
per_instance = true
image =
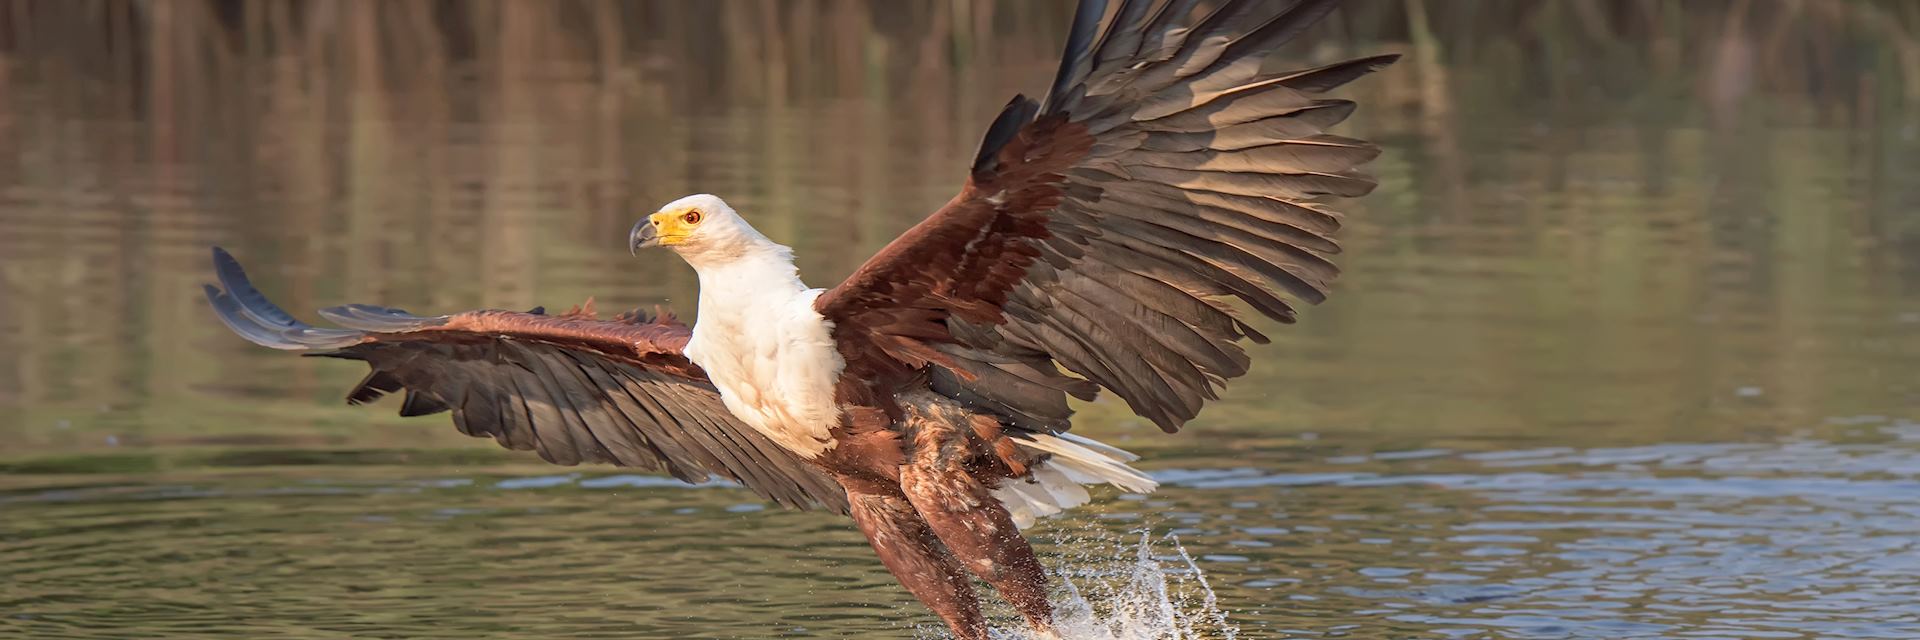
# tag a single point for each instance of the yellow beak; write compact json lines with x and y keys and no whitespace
{"x":662,"y":228}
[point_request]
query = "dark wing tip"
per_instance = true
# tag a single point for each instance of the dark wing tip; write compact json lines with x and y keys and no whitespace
{"x":1333,"y":76}
{"x":229,"y":313}
{"x":1018,"y":112}
{"x":1086,"y":25}
{"x":249,"y":314}
{"x":250,"y":300}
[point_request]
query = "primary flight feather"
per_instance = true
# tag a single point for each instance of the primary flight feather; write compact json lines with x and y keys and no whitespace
{"x":1100,"y":242}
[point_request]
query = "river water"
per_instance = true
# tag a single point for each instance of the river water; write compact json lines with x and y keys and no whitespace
{"x":1628,"y":342}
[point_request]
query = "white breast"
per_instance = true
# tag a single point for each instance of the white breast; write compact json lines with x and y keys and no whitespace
{"x":773,"y":358}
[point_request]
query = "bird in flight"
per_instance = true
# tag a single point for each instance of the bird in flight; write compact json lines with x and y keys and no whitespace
{"x":1104,"y":239}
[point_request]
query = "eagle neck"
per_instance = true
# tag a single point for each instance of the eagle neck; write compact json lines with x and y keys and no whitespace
{"x":743,"y":281}
{"x":767,"y":350}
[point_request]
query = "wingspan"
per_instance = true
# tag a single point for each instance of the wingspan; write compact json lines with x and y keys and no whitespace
{"x":570,"y":387}
{"x":1105,"y":230}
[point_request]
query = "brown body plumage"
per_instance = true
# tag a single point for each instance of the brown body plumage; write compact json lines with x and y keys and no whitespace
{"x":1095,"y":245}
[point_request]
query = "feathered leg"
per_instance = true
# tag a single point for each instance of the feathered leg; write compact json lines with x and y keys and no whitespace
{"x":981,"y":533}
{"x":913,"y":553}
{"x":975,"y":527}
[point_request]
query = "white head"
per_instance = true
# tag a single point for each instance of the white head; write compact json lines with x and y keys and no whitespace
{"x":702,"y":229}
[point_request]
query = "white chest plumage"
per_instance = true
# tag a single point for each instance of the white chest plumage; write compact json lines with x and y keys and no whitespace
{"x":769,"y":352}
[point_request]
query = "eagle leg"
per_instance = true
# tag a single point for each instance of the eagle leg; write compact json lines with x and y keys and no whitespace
{"x":981,"y":533}
{"x":963,"y":512}
{"x":909,"y":549}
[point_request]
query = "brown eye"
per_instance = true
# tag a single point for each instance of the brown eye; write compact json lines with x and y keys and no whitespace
{"x":692,"y":217}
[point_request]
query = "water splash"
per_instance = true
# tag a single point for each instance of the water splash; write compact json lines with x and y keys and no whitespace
{"x":1109,"y":588}
{"x":1150,"y":596}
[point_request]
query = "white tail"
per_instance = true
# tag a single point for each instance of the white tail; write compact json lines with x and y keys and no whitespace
{"x":1056,"y":485}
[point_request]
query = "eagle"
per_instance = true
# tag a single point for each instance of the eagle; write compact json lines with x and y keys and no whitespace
{"x":1109,"y":237}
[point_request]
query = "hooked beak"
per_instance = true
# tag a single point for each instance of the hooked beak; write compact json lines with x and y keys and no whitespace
{"x":644,"y":235}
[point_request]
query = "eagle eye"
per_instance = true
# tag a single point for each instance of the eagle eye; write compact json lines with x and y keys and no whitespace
{"x":692,"y":217}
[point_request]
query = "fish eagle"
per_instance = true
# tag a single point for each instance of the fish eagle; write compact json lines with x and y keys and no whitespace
{"x":1103,"y":240}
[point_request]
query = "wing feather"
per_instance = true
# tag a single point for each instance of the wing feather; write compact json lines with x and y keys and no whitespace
{"x":1170,"y":172}
{"x":571,"y":388}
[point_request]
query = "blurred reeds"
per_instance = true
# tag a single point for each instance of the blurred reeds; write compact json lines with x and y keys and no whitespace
{"x":453,"y":154}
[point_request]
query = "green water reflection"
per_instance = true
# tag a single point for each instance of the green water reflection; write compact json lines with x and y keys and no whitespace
{"x":1602,"y":227}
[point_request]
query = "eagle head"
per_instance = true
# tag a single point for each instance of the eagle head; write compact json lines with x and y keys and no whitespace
{"x":699,"y":223}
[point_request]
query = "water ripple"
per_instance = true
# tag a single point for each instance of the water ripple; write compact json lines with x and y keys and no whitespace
{"x":1800,"y":538}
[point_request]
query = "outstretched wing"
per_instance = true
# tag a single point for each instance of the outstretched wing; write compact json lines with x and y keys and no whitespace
{"x":570,"y":387}
{"x":1104,"y":230}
